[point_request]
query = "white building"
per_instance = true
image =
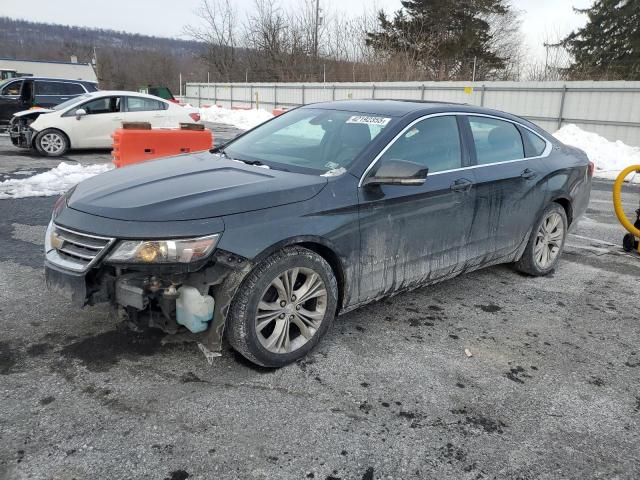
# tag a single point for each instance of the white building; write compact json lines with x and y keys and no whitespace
{"x":36,"y":68}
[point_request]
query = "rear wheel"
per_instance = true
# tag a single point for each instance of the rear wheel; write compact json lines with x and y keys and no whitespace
{"x":52,"y":143}
{"x":546,"y":242}
{"x":629,"y":243}
{"x":283,"y":308}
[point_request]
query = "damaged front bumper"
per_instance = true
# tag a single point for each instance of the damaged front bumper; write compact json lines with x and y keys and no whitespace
{"x":149,"y":295}
{"x":21,"y":134}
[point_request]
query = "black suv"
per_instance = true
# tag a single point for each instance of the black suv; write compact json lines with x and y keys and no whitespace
{"x":17,"y":94}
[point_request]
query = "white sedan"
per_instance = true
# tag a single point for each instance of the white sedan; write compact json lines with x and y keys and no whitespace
{"x":87,"y":121}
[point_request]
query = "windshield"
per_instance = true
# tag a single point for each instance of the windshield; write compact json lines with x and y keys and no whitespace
{"x":310,"y":139}
{"x":71,"y":101}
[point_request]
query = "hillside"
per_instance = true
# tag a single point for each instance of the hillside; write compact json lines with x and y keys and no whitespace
{"x":125,"y":60}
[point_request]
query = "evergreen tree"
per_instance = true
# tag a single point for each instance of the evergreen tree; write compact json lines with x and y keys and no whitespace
{"x":609,"y":44}
{"x":442,"y":37}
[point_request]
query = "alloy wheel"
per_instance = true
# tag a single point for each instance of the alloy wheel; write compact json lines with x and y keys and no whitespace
{"x":549,"y":240}
{"x":52,"y":143}
{"x":291,"y":310}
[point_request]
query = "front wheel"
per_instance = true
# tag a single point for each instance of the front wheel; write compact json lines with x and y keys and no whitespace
{"x":283,"y":308}
{"x":51,"y":143}
{"x":546,"y":243}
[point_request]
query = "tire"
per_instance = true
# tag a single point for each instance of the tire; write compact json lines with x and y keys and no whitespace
{"x":629,"y":243}
{"x":51,"y":143}
{"x":270,"y":334}
{"x":545,"y":239}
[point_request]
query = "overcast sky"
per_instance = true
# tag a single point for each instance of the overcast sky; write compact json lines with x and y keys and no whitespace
{"x":168,"y":17}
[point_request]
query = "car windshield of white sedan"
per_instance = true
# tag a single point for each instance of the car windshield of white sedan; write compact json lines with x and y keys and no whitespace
{"x":71,"y":101}
{"x":313,"y":140}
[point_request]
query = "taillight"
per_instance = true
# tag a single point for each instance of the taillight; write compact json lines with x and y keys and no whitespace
{"x":195,"y":117}
{"x":591,"y":168}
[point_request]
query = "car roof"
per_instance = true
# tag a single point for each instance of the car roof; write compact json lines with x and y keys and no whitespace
{"x":54,"y":79}
{"x":129,"y":93}
{"x":400,"y":108}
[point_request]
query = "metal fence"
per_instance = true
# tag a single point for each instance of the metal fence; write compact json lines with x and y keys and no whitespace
{"x":611,"y":109}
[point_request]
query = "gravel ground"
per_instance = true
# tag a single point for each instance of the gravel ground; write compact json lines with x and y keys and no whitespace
{"x":552,"y":389}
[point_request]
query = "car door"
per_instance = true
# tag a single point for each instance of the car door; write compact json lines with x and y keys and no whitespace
{"x":414,"y":234}
{"x":508,"y":191}
{"x":144,"y":109}
{"x":10,"y":101}
{"x":94,"y":128}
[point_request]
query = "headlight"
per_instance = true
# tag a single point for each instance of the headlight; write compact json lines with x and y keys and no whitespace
{"x":164,"y":251}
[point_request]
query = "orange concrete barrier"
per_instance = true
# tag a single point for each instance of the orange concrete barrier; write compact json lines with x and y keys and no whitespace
{"x":278,"y":111}
{"x":240,"y":107}
{"x":134,"y":146}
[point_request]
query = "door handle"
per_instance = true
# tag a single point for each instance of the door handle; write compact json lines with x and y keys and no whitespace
{"x":461,"y":185}
{"x":527,"y":173}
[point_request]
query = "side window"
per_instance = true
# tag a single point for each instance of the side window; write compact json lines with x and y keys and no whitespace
{"x":495,"y":140}
{"x":73,"y":89}
{"x":534,"y":145}
{"x":433,"y":142}
{"x":12,"y":88}
{"x":102,"y":105}
{"x":49,"y":88}
{"x":141,"y":104}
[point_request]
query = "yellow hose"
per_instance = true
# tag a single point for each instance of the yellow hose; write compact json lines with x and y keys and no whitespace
{"x":617,"y":200}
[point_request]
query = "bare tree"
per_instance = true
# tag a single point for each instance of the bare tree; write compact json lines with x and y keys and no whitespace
{"x":556,"y":60}
{"x":506,"y":41}
{"x":218,"y":33}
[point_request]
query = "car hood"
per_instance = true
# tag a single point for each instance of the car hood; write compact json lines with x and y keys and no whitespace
{"x":33,"y":111}
{"x":190,"y":187}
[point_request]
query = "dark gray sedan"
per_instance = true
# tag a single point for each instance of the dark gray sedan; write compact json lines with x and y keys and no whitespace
{"x":312,"y":214}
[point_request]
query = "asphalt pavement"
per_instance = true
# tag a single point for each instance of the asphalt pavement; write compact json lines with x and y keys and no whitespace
{"x":551,"y":389}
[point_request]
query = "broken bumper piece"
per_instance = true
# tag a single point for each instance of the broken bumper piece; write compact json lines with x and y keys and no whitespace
{"x":152,"y":297}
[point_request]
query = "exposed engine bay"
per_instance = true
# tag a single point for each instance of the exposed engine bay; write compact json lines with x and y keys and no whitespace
{"x":20,"y":132}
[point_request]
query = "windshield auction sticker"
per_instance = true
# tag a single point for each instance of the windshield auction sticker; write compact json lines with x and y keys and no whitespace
{"x":382,"y":121}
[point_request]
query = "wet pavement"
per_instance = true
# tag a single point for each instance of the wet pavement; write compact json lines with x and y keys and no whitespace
{"x":552,"y":389}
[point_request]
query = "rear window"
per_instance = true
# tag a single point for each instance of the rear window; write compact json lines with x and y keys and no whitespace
{"x":73,"y":89}
{"x":495,"y":140}
{"x":141,"y":104}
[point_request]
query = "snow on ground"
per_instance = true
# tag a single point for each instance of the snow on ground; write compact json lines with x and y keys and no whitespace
{"x":54,"y":182}
{"x":609,"y":157}
{"x":244,"y":119}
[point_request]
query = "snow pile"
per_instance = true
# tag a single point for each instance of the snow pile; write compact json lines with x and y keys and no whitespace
{"x":243,"y":119}
{"x":610,"y":158}
{"x":54,"y":182}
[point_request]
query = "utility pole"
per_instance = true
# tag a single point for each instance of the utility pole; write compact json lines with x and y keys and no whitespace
{"x":473,"y":79}
{"x":315,"y":34}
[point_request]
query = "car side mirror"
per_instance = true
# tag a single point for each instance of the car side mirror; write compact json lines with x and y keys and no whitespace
{"x":398,"y":172}
{"x":81,"y":112}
